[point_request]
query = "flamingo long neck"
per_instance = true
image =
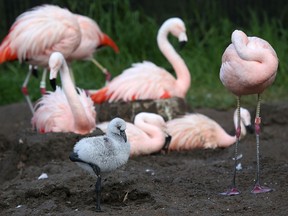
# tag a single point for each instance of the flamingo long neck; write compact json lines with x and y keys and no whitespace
{"x":80,"y":118}
{"x":183,"y":75}
{"x":241,"y":41}
{"x":155,"y":134}
{"x":226,"y":139}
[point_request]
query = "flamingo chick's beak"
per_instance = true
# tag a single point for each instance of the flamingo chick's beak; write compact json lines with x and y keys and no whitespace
{"x":123,"y":134}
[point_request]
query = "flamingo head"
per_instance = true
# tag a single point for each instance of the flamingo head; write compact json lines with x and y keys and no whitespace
{"x":245,"y":121}
{"x":177,"y":29}
{"x":239,"y":36}
{"x":55,"y":63}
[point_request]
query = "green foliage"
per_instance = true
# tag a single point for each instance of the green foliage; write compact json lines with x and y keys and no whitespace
{"x":135,"y":34}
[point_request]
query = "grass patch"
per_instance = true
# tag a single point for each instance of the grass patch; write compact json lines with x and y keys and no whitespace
{"x":135,"y":34}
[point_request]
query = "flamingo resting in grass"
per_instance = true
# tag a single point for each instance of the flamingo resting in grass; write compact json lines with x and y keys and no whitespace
{"x":64,"y":110}
{"x":147,"y":135}
{"x":48,"y":28}
{"x":249,"y":66}
{"x":195,"y":130}
{"x":148,"y":81}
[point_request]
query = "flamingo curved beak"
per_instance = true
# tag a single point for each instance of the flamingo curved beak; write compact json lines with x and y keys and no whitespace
{"x":107,"y":41}
{"x":182,"y":39}
{"x":123,"y":134}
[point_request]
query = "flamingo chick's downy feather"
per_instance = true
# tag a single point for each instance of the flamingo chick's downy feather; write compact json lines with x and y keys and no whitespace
{"x":146,"y":136}
{"x":64,"y":110}
{"x":108,"y":152}
{"x":103,"y":153}
{"x":148,"y":81}
{"x":32,"y":38}
{"x":195,"y":130}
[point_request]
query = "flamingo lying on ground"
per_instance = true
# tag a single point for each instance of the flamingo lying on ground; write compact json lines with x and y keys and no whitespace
{"x":103,"y":153}
{"x":147,"y":135}
{"x":64,"y":110}
{"x":148,"y":81}
{"x":45,"y":29}
{"x":249,"y":66}
{"x":195,"y":130}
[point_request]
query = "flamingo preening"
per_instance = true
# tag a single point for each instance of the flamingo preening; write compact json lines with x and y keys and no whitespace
{"x":249,"y":66}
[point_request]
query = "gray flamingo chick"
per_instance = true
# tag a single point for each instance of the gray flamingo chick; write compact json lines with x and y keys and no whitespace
{"x":103,"y":153}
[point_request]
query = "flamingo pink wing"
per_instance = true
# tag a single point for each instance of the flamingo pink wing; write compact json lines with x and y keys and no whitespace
{"x":40,"y":31}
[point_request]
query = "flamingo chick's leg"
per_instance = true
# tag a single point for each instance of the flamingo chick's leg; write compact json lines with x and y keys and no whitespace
{"x":257,"y":187}
{"x":24,"y":89}
{"x":97,"y":171}
{"x":43,"y":82}
{"x":233,"y":189}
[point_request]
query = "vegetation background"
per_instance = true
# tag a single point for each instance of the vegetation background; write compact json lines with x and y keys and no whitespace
{"x":133,"y":24}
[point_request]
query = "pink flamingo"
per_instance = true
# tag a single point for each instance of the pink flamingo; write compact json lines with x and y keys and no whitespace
{"x":36,"y":34}
{"x":195,"y":130}
{"x":92,"y":38}
{"x":64,"y":110}
{"x":249,"y":66}
{"x":147,"y":135}
{"x":48,"y":28}
{"x":148,"y":81}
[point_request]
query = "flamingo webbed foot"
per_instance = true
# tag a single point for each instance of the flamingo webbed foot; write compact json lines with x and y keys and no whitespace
{"x":231,"y":192}
{"x":260,"y":189}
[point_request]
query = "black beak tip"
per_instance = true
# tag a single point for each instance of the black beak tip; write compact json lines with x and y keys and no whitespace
{"x":250,"y":129}
{"x":53,"y":84}
{"x":168,"y":139}
{"x":182,"y":44}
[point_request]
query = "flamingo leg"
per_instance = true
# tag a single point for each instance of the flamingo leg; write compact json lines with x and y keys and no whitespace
{"x":43,"y":82}
{"x":97,"y":171}
{"x":104,"y":70}
{"x":257,"y":187}
{"x":24,"y":89}
{"x":233,"y":189}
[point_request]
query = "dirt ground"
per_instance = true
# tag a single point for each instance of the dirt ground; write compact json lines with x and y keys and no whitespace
{"x":179,"y":183}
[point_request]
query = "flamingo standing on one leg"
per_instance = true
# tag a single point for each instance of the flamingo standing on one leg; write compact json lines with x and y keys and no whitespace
{"x":249,"y":66}
{"x":102,"y":154}
{"x":147,"y":135}
{"x":195,"y":130}
{"x":48,"y":28}
{"x":148,"y":81}
{"x":64,"y":110}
